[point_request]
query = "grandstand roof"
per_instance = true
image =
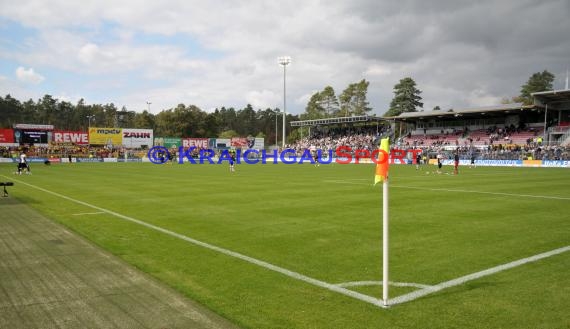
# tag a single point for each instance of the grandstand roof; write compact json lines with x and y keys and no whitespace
{"x":463,"y":111}
{"x":359,"y":118}
{"x":559,"y":97}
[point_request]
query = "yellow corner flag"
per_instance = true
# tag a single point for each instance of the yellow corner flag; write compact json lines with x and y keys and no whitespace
{"x":382,"y":164}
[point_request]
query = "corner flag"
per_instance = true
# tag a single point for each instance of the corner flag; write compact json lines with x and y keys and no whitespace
{"x":382,"y":176}
{"x":382,"y":166}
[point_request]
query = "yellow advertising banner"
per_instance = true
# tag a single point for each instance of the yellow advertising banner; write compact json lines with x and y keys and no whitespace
{"x":532,"y":163}
{"x":105,"y":136}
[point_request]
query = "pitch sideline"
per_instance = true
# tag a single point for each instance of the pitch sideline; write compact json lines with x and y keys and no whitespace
{"x":473,"y":276}
{"x":351,"y":182}
{"x":331,"y":287}
{"x":269,"y":266}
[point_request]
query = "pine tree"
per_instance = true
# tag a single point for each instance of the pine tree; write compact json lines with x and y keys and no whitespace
{"x":406,"y":98}
{"x":353,"y":99}
{"x":537,"y":82}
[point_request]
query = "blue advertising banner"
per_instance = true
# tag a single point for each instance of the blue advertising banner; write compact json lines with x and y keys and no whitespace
{"x":89,"y":160}
{"x":556,"y":163}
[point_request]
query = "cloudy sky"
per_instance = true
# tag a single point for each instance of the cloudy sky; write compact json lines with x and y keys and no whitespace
{"x":224,"y":53}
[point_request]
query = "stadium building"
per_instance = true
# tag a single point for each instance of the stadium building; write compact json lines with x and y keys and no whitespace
{"x":540,"y":131}
{"x":546,"y":122}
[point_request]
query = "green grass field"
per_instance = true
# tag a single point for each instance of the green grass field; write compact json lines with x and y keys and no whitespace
{"x":325,"y":223}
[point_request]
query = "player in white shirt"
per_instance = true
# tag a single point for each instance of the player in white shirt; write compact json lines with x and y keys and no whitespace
{"x":23,"y":164}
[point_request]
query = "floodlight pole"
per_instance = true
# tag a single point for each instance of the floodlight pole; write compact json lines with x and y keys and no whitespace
{"x":284,"y":61}
{"x":148,"y":103}
{"x":545,"y":115}
{"x":276,"y":112}
{"x":89,"y":117}
{"x":88,"y":129}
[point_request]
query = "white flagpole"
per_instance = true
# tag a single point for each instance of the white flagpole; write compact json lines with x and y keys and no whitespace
{"x":385,"y":241}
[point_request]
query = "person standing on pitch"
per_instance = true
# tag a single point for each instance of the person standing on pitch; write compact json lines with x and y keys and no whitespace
{"x":232,"y":160}
{"x":418,"y":160}
{"x":316,"y":158}
{"x":456,"y":161}
{"x":23,"y":164}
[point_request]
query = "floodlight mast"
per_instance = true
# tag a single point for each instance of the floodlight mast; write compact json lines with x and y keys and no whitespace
{"x":284,"y":61}
{"x":277,"y":113}
{"x":89,"y":117}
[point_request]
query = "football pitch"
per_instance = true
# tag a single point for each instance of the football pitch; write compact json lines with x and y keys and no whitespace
{"x":299,"y":246}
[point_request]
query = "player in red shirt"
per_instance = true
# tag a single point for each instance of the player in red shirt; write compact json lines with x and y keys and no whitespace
{"x":456,"y":162}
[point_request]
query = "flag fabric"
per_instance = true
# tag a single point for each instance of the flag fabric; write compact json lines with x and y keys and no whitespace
{"x":382,"y":167}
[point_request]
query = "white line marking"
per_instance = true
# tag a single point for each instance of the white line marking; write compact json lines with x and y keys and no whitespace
{"x":378,"y":302}
{"x":455,"y":282}
{"x":379,"y":283}
{"x":420,"y":174}
{"x":89,"y":213}
{"x":227,"y":252}
{"x":483,"y":192}
{"x":348,"y":182}
{"x":455,"y":190}
{"x":347,"y":179}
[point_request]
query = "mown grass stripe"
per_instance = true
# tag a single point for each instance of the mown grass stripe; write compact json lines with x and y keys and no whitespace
{"x":470,"y":277}
{"x":221,"y":250}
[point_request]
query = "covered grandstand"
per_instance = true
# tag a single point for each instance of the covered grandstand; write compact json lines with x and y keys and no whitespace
{"x":512,"y":131}
{"x":357,"y":120}
{"x":556,"y":105}
{"x":359,"y":132}
{"x":545,"y":122}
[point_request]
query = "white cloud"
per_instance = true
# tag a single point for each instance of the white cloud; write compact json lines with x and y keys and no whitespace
{"x":29,"y":76}
{"x":69,"y":98}
{"x":223,"y":53}
{"x":481,"y":97}
{"x":91,"y":54}
{"x":377,"y":70}
{"x":13,"y":88}
{"x":262,"y":99}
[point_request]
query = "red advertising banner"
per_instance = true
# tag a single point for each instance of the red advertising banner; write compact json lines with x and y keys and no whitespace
{"x":76,"y":137}
{"x":197,"y":142}
{"x":239,"y":142}
{"x":6,"y":135}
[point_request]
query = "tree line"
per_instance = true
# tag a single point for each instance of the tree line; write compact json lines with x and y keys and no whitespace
{"x":180,"y":121}
{"x":191,"y":121}
{"x":184,"y":120}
